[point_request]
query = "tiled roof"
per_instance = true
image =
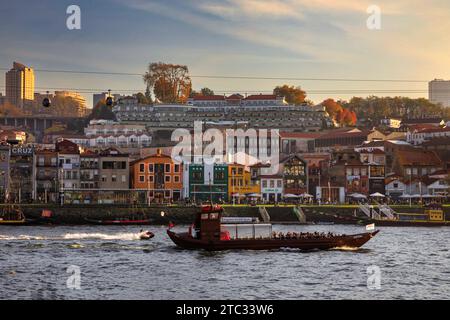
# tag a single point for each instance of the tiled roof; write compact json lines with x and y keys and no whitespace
{"x":437,"y":141}
{"x":300,"y":135}
{"x":347,"y":134}
{"x":209,"y":98}
{"x":262,"y":97}
{"x":434,"y":130}
{"x":418,"y":157}
{"x":424,"y":120}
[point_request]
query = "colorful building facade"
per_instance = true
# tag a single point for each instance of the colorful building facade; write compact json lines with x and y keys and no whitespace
{"x":160,"y":176}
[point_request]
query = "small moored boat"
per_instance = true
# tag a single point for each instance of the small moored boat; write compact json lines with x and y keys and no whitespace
{"x":209,"y":233}
{"x":12,"y":216}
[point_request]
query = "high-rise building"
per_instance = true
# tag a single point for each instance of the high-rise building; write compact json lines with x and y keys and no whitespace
{"x":20,"y":85}
{"x":439,"y":92}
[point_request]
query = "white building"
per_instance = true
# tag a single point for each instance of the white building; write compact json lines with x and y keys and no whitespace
{"x":417,"y":136}
{"x":122,"y":140}
{"x":439,"y":92}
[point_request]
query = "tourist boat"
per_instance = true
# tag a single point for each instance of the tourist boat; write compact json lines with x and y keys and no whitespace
{"x":12,"y":216}
{"x":120,"y":221}
{"x":210,"y":233}
{"x":433,"y":216}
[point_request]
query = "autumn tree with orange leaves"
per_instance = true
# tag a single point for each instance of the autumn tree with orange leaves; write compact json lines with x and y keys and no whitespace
{"x":292,"y":95}
{"x":10,"y":110}
{"x":341,"y":115}
{"x":170,"y":83}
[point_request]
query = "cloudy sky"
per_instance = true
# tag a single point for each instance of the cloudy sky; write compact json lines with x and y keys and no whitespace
{"x":301,"y":39}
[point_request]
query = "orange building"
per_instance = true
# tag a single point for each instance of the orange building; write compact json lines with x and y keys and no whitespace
{"x":159,"y":175}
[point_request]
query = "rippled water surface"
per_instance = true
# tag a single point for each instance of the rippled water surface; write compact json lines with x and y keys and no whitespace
{"x":114,"y":264}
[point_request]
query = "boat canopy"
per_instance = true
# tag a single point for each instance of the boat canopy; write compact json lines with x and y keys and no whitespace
{"x":247,"y":231}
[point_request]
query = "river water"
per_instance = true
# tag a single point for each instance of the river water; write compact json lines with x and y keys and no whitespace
{"x":399,"y":263}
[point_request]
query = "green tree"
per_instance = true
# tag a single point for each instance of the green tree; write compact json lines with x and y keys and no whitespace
{"x":293,"y":95}
{"x":206,"y":92}
{"x":101,"y":112}
{"x":143,"y":99}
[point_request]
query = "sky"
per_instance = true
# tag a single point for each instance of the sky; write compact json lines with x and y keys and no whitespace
{"x":300,"y":39}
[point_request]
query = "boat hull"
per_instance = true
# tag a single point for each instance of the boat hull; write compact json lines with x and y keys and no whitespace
{"x":184,"y":240}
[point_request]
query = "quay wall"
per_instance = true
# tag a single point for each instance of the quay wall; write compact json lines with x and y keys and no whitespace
{"x":185,"y":215}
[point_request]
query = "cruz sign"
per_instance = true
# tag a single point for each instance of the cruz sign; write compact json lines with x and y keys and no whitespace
{"x":22,"y":151}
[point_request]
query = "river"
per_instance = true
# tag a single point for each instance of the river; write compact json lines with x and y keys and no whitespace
{"x":36,"y":262}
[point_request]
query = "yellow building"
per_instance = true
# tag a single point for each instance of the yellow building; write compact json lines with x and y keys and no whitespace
{"x":240,"y":182}
{"x":20,"y":85}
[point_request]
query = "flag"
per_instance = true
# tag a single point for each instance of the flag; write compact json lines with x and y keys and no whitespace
{"x":370,"y":227}
{"x":46,"y":213}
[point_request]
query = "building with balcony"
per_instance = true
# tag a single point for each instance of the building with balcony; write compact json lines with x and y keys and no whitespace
{"x":21,"y":174}
{"x":114,"y":170}
{"x":159,"y":176}
{"x":206,"y":182}
{"x":46,"y":175}
{"x":89,"y":170}
{"x":68,"y":164}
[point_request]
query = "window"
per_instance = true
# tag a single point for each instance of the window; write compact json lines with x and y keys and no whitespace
{"x":41,"y":161}
{"x":103,"y":178}
{"x":219,"y":175}
{"x":272,"y":183}
{"x":279,"y":184}
{"x":167,"y":168}
{"x":142,"y":167}
{"x":150,"y":167}
{"x":114,"y":178}
{"x":264,"y":183}
{"x":124,"y":178}
{"x":150,"y":179}
{"x":167,"y":194}
{"x":141,"y":179}
{"x":176,"y":179}
{"x":167,"y":179}
{"x":176,"y":168}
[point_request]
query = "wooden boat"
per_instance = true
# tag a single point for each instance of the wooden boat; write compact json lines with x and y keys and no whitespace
{"x":12,"y":216}
{"x":432,"y":216}
{"x":120,"y":222}
{"x":210,"y":234}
